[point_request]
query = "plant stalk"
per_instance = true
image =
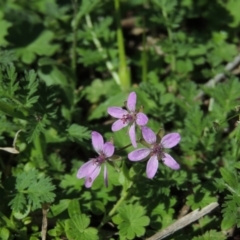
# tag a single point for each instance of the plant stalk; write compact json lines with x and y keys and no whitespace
{"x":123,"y":70}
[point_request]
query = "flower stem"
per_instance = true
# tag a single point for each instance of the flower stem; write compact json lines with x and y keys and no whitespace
{"x":123,"y":70}
{"x":124,"y":195}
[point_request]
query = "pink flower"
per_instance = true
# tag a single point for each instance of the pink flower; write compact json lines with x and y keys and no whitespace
{"x":129,"y":116}
{"x":91,"y":169}
{"x":156,"y":151}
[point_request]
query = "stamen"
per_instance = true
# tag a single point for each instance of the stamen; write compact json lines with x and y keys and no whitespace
{"x":128,"y":118}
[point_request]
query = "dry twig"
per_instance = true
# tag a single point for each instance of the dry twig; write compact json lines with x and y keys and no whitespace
{"x":184,"y":221}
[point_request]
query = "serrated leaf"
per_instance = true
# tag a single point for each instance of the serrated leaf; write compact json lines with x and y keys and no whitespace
{"x":133,"y":222}
{"x":228,"y":222}
{"x":229,"y":177}
{"x":210,"y":235}
{"x":28,"y":53}
{"x":78,"y":133}
{"x":18,"y":203}
{"x":77,"y":228}
{"x":36,"y":190}
{"x":24,"y":178}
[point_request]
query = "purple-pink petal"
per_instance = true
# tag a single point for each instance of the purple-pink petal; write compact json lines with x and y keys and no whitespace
{"x":97,"y":142}
{"x":139,"y":154}
{"x":132,"y":135}
{"x":148,"y":135}
{"x":90,"y":178}
{"x":117,"y":112}
{"x":86,"y":169}
{"x":118,"y":125}
{"x":105,"y":175}
{"x":108,"y":149}
{"x":142,"y":119}
{"x":170,"y":162}
{"x":131,"y":102}
{"x":152,"y":166}
{"x":170,"y":140}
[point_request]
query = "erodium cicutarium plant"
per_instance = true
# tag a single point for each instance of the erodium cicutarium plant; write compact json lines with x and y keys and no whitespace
{"x":127,"y":117}
{"x":91,"y":169}
{"x":156,"y":151}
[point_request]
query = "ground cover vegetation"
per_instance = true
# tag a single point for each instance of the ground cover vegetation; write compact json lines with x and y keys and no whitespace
{"x":119,"y":119}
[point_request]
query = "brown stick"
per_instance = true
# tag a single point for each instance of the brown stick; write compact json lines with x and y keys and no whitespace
{"x":45,"y":209}
{"x":184,"y":221}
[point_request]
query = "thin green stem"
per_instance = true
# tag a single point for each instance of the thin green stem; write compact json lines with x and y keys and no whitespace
{"x":123,"y":70}
{"x":144,"y":57}
{"x":124,"y":195}
{"x":39,"y":146}
{"x":11,"y":111}
{"x":170,"y":35}
{"x":120,"y":149}
{"x":74,"y":42}
{"x":99,"y":47}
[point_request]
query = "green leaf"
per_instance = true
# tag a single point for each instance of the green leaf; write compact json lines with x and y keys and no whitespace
{"x":200,"y":198}
{"x":184,"y":66}
{"x":77,"y":228}
{"x":78,"y":133}
{"x":33,"y":190}
{"x":74,"y":208}
{"x":210,"y":235}
{"x":229,"y":177}
{"x":97,"y":207}
{"x":85,"y":8}
{"x":228,"y":222}
{"x":28,"y":53}
{"x":56,"y":209}
{"x":233,"y":7}
{"x":4,"y":233}
{"x":101,"y":109}
{"x":133,"y":221}
{"x":4,"y":25}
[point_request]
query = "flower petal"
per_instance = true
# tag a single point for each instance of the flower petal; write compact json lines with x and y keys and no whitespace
{"x":90,"y":178}
{"x":139,"y":154}
{"x":132,"y":135}
{"x":97,"y":142}
{"x":148,"y":135}
{"x":170,"y":162}
{"x":105,"y":175}
{"x":131,"y":102}
{"x":170,"y":140}
{"x":142,"y":119}
{"x":152,"y":166}
{"x":86,"y":169}
{"x":108,"y":149}
{"x":118,"y":125}
{"x":117,"y":112}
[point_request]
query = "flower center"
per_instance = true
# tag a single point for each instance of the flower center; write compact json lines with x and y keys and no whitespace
{"x":157,"y":149}
{"x":100,"y":159}
{"x":126,"y":118}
